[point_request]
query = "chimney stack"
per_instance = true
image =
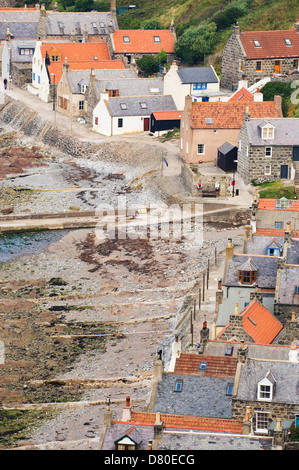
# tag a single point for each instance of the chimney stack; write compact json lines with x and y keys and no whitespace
{"x":229,"y":249}
{"x":127,"y":411}
{"x":247,"y":422}
{"x":242,"y":352}
{"x":278,"y":102}
{"x":107,"y":419}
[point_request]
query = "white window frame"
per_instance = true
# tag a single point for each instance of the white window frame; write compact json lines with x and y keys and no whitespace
{"x":270,"y":155}
{"x":267,"y":173}
{"x":265,"y":394}
{"x":266,"y":132}
{"x":257,"y":420}
{"x":203,"y":149}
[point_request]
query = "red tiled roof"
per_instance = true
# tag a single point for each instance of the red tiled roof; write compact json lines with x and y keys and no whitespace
{"x":77,"y":51}
{"x":274,"y":232}
{"x":56,"y":67}
{"x":259,"y":323}
{"x":272,"y":44}
{"x":270,"y":204}
{"x":242,"y":95}
{"x":187,"y":422}
{"x":165,"y":115}
{"x":217,"y":366}
{"x":142,"y":41}
{"x":229,"y":115}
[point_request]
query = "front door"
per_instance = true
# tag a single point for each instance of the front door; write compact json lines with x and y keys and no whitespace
{"x":277,"y":66}
{"x":146,"y":124}
{"x":284,"y":172}
{"x":295,"y":154}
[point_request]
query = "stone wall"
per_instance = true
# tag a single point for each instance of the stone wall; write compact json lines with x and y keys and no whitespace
{"x":235,"y":330}
{"x":252,"y":160}
{"x":284,"y":411}
{"x":230,"y":66}
{"x":252,"y":75}
{"x":21,"y":75}
{"x":283,"y":312}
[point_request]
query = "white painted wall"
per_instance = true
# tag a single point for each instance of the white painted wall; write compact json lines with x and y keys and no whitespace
{"x":5,"y":61}
{"x":174,"y":87}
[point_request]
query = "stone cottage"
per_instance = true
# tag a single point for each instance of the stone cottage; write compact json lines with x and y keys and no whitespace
{"x":268,"y":149}
{"x":254,"y":55}
{"x":17,"y":60}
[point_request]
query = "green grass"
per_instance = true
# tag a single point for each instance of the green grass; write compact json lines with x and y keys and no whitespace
{"x":276,"y":190}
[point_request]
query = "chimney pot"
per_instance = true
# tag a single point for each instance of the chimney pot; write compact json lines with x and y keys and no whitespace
{"x":293,"y":316}
{"x":150,"y":445}
{"x":236,"y":308}
{"x":128,"y":401}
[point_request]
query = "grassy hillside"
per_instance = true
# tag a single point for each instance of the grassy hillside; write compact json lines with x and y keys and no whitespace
{"x":251,"y":14}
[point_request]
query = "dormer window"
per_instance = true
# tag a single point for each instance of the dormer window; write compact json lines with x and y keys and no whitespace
{"x":288,"y":41}
{"x":256,"y":43}
{"x":83,"y":89}
{"x":247,"y":272}
{"x":266,"y":387}
{"x":267,"y":132}
{"x":247,"y":277}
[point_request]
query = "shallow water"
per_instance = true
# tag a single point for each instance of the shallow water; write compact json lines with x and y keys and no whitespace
{"x":14,"y":245}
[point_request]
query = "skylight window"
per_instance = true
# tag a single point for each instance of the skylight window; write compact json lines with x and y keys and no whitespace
{"x":126,"y":39}
{"x":252,"y":321}
{"x":288,"y":41}
{"x":123,"y":106}
{"x":209,"y":120}
{"x":229,"y":389}
{"x":203,"y":365}
{"x":178,"y":386}
{"x":102,"y":25}
{"x":256,"y":43}
{"x":154,"y":90}
{"x":94,"y":25}
{"x":143,"y":105}
{"x":157,"y":39}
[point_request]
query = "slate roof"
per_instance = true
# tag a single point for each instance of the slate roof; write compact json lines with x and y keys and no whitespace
{"x":83,"y":67}
{"x":286,"y":376}
{"x":258,"y":244}
{"x":229,"y":115}
{"x":258,"y":351}
{"x":289,"y":279}
{"x":266,"y":274}
{"x":213,"y":441}
{"x":226,"y":147}
{"x":119,"y":429}
{"x":79,"y":72}
{"x":217,"y":366}
{"x":142,"y":41}
{"x":293,"y":252}
{"x":153,"y":103}
{"x":132,"y":86}
{"x":17,"y":44}
{"x":200,"y":396}
{"x":273,"y":44}
{"x":71,"y":20}
{"x":189,"y":75}
{"x":286,"y":131}
{"x":18,"y":29}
